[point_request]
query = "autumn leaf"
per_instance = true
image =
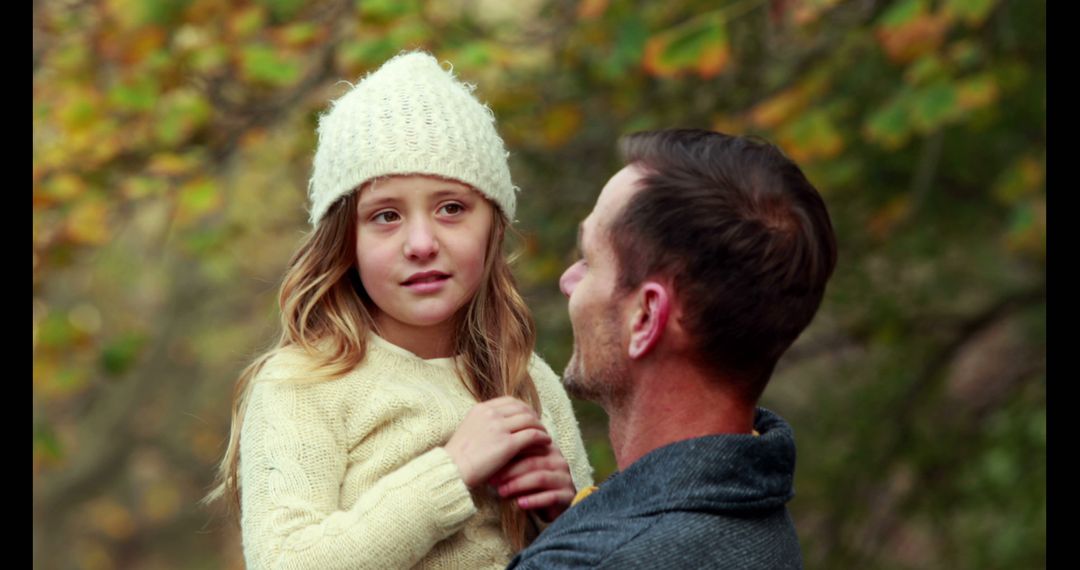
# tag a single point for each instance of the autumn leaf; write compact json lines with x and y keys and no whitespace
{"x":180,"y":113}
{"x":196,"y":199}
{"x":246,"y":22}
{"x":971,"y":12}
{"x":700,"y":45}
{"x":88,"y":222}
{"x":933,"y":106}
{"x":560,"y":124}
{"x":591,"y":9}
{"x":812,"y":137}
{"x":784,"y":105}
{"x":119,"y":353}
{"x":977,"y":92}
{"x":907,"y":30}
{"x":881,"y":224}
{"x":889,"y":125}
{"x":263,"y":63}
{"x":1027,"y":229}
{"x":1022,"y":179}
{"x":808,"y":11}
{"x":172,"y":164}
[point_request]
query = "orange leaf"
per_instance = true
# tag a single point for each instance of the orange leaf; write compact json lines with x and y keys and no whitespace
{"x":89,"y":223}
{"x":653,"y":62}
{"x":780,"y":107}
{"x":881,"y":224}
{"x":561,"y":124}
{"x":921,"y":35}
{"x":591,"y":9}
{"x":713,"y":60}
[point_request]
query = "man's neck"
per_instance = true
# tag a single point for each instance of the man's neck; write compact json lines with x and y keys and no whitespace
{"x":673,"y":402}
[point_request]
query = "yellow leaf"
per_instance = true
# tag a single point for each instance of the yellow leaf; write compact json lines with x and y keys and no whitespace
{"x":197,"y":199}
{"x":779,"y":108}
{"x":53,"y":382}
{"x":171,"y":164}
{"x":63,"y":188}
{"x":561,"y":124}
{"x":86,"y":318}
{"x":921,"y":35}
{"x":246,"y":22}
{"x":714,"y":59}
{"x":126,"y":14}
{"x":1028,"y":234}
{"x":160,"y":502}
{"x":92,"y":555}
{"x":111,"y":518}
{"x":653,"y":63}
{"x":207,"y":445}
{"x":813,"y":136}
{"x":699,"y":45}
{"x":1022,"y":179}
{"x":88,"y":223}
{"x":591,"y":9}
{"x":808,"y":11}
{"x":137,"y":187}
{"x":728,"y":124}
{"x":977,"y":92}
{"x":881,"y":224}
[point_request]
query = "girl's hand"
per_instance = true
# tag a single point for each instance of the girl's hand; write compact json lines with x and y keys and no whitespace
{"x":491,"y":434}
{"x":540,"y":480}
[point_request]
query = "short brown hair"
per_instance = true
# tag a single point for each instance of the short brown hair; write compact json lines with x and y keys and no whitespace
{"x":742,"y":234}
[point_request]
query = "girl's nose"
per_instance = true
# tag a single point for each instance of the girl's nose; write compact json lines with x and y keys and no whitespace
{"x":420,"y":242}
{"x":571,"y":277}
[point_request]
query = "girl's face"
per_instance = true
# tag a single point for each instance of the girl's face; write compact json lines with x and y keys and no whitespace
{"x":420,"y":248}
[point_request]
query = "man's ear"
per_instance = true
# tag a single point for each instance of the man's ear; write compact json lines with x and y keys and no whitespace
{"x":652,"y":307}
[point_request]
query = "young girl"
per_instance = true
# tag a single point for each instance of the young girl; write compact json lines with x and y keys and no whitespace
{"x":402,"y":420}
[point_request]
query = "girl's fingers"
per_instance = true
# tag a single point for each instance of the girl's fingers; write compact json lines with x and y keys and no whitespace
{"x":536,"y":481}
{"x":511,"y":407}
{"x":553,"y":498}
{"x":520,"y":421}
{"x":542,"y":460}
{"x":528,"y":437}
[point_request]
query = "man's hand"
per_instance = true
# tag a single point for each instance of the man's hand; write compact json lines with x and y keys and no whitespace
{"x":492,"y":433}
{"x":540,"y":479}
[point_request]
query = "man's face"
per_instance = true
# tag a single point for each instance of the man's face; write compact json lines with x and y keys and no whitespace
{"x":598,"y":367}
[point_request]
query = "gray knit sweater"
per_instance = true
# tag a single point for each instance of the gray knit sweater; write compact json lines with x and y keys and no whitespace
{"x":710,"y":502}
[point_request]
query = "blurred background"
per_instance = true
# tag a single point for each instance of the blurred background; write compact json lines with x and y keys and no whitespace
{"x":173,"y":141}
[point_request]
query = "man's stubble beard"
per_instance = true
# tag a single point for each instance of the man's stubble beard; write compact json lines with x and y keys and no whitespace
{"x":608,"y":370}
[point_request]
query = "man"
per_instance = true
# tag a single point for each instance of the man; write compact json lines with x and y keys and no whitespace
{"x":702,"y":261}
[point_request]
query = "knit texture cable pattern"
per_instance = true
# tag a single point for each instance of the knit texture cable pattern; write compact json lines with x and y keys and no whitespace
{"x":350,"y":473}
{"x":410,"y":116}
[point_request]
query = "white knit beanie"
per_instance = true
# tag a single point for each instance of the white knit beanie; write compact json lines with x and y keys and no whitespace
{"x":410,"y":116}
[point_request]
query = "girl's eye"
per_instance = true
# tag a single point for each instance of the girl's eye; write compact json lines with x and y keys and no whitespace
{"x":453,"y":208}
{"x":387,"y":217}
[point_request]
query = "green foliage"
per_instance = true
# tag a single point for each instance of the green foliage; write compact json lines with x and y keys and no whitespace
{"x":118,"y":356}
{"x":282,"y":10}
{"x":262,"y":63}
{"x":172,"y":146}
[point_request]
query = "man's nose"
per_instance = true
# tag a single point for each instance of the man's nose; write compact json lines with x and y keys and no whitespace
{"x":420,"y":241}
{"x":571,"y":277}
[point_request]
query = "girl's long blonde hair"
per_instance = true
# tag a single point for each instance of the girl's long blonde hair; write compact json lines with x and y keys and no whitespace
{"x":325,"y":311}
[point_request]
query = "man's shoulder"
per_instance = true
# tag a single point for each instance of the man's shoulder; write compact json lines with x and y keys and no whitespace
{"x":689,"y":539}
{"x":672,"y":539}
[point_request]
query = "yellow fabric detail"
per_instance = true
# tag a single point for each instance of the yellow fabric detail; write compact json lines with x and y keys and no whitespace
{"x":582,"y":494}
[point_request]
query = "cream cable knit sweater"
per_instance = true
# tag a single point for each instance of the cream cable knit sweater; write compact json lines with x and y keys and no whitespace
{"x":349,"y":473}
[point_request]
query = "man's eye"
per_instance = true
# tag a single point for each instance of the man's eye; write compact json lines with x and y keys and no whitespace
{"x":387,"y":217}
